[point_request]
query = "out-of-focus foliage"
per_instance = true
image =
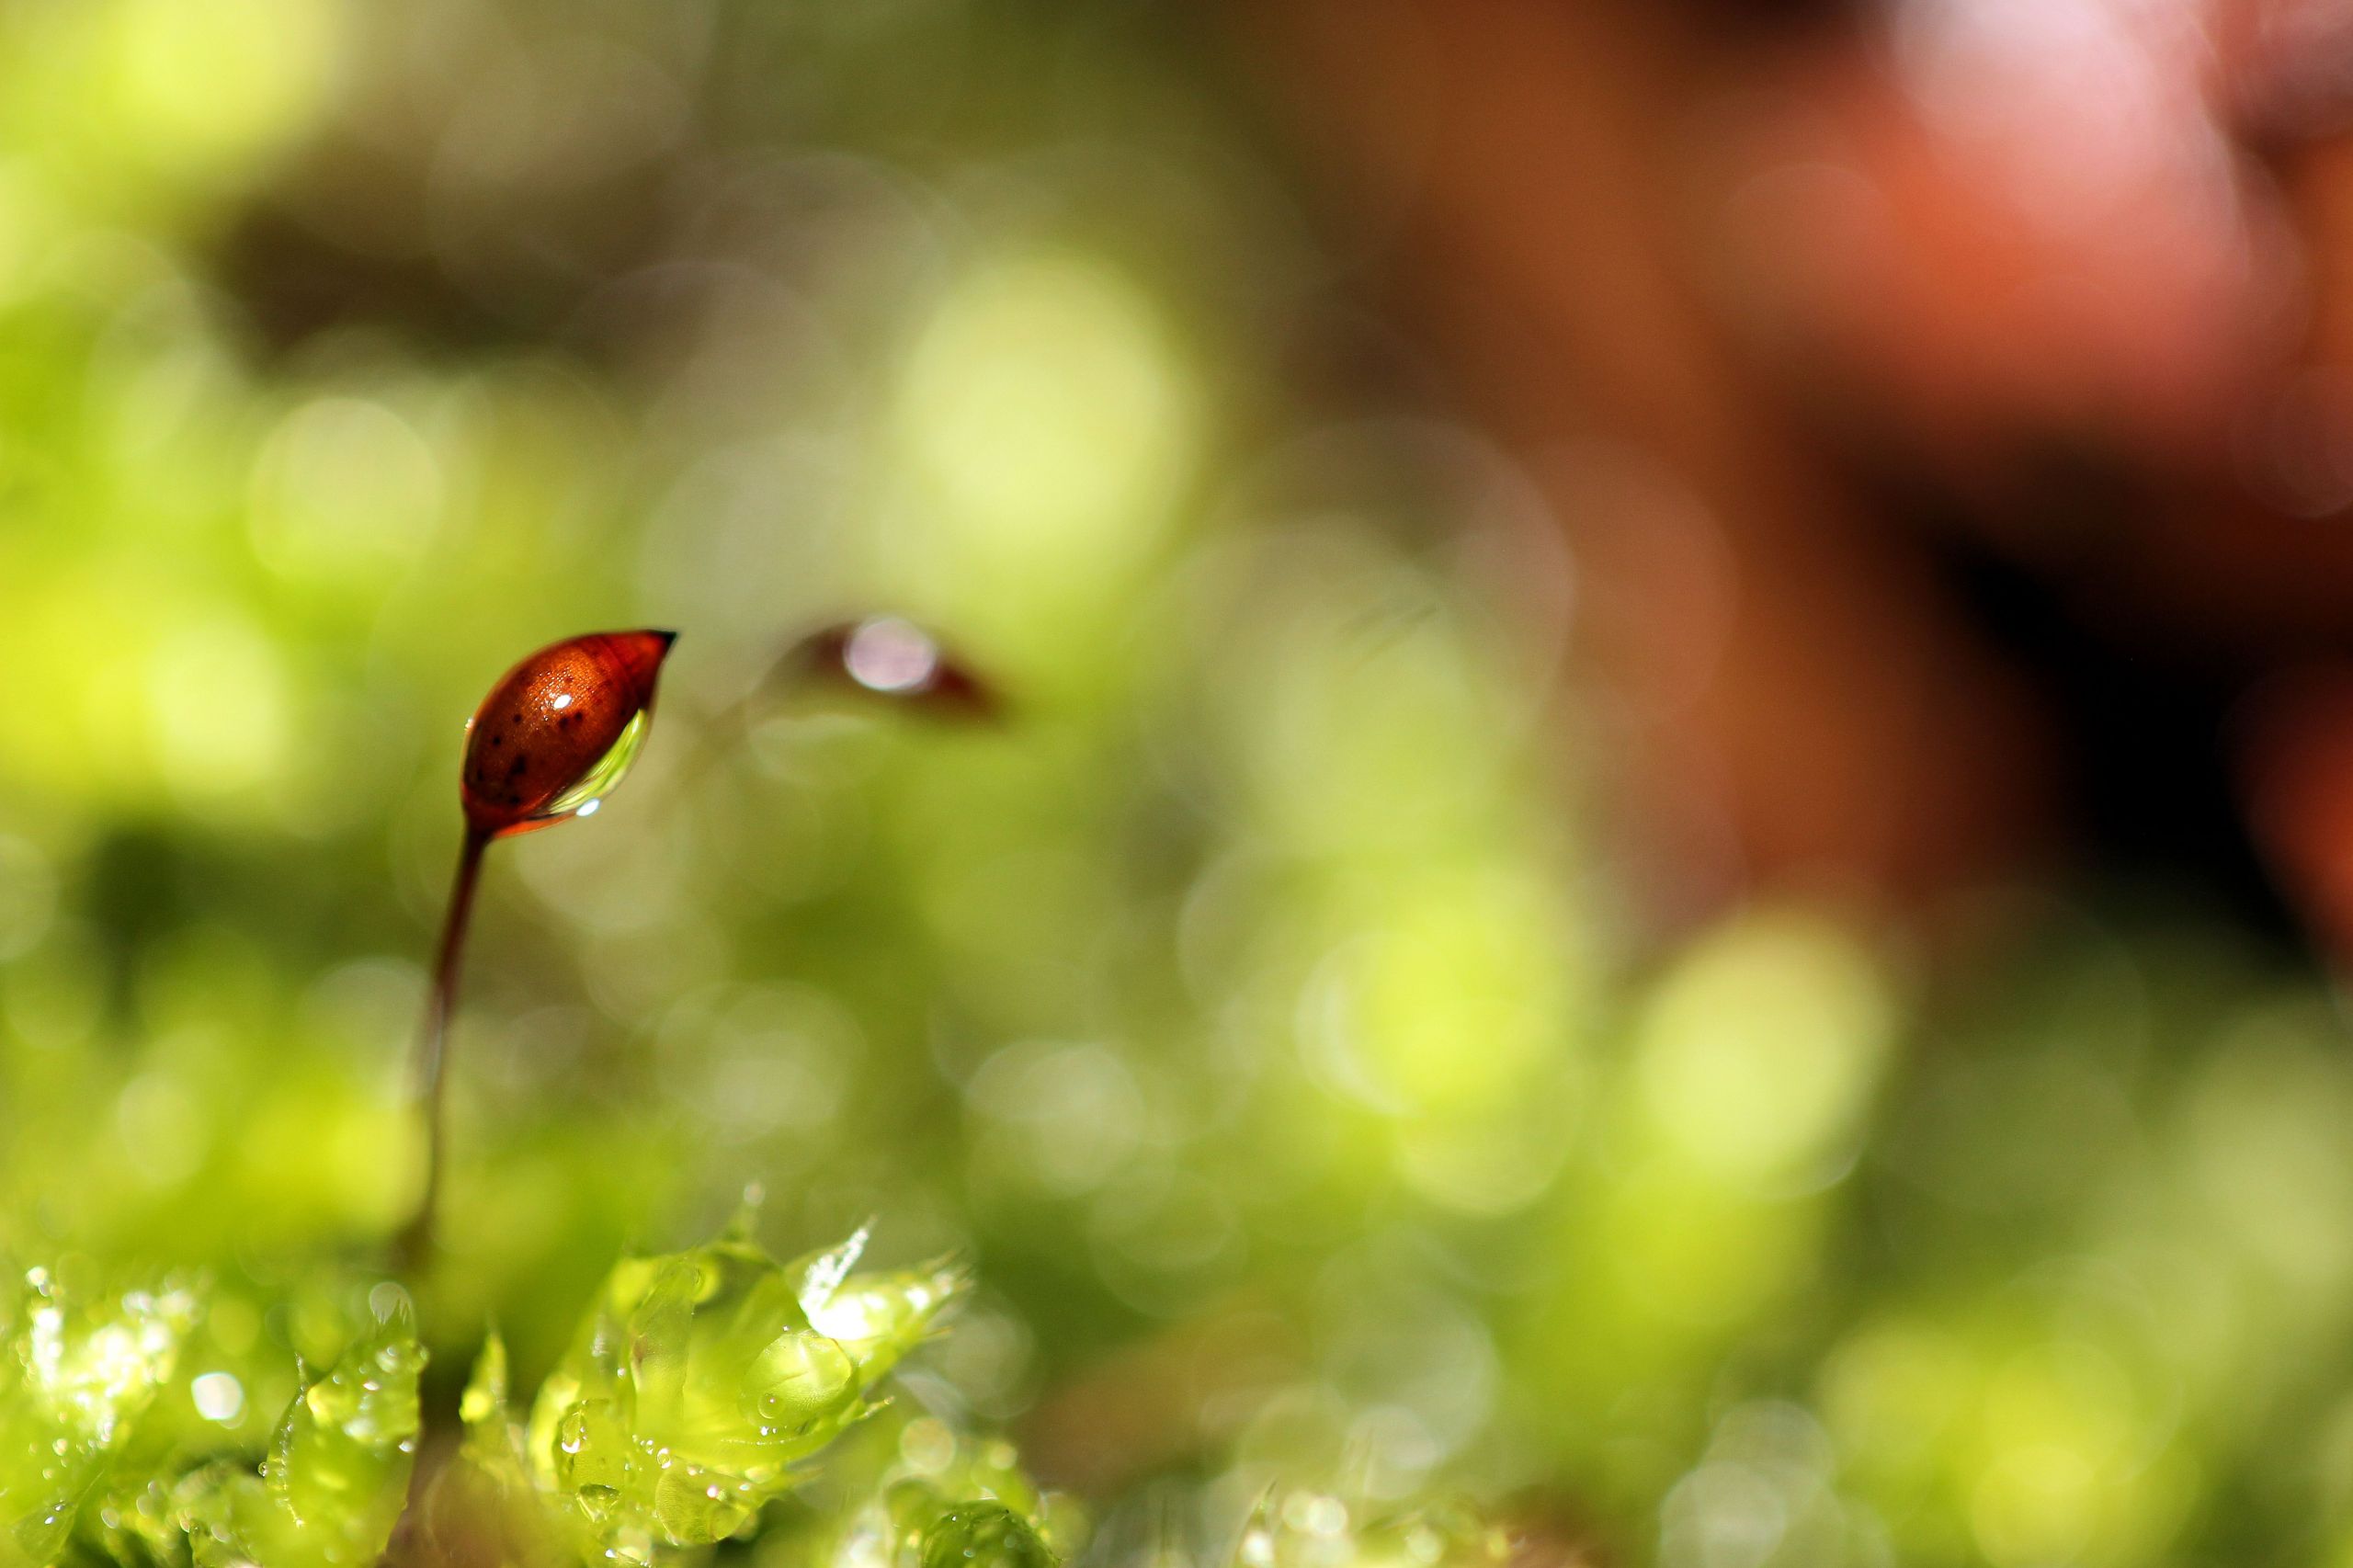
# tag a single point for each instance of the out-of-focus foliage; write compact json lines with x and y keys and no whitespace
{"x":914,"y":1493}
{"x":1315,"y":1530}
{"x":980,"y":1510}
{"x":1245,"y":1003}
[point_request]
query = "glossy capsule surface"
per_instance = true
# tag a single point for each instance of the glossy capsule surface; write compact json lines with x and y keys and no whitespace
{"x":558,"y":729}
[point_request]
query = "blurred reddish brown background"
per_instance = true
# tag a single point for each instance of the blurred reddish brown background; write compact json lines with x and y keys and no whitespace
{"x":1972,"y":387}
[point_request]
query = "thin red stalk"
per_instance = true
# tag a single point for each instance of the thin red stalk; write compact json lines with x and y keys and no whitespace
{"x":416,"y":1242}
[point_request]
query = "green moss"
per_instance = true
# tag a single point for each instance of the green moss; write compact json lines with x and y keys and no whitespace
{"x":698,"y":1388}
{"x":79,"y":1372}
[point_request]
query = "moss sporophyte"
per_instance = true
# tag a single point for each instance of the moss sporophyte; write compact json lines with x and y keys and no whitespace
{"x":557,"y":734}
{"x":883,"y":655}
{"x":552,"y":739}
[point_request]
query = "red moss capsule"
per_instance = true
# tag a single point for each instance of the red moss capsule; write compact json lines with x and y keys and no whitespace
{"x":559,"y":730}
{"x":885,"y":656}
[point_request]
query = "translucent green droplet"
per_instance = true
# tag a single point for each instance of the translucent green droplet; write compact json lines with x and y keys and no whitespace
{"x":603,"y":774}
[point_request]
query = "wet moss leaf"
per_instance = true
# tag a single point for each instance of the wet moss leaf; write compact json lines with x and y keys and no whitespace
{"x":337,"y":1474}
{"x":981,"y":1535}
{"x":957,"y":1503}
{"x":700,"y":1379}
{"x":75,"y":1376}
